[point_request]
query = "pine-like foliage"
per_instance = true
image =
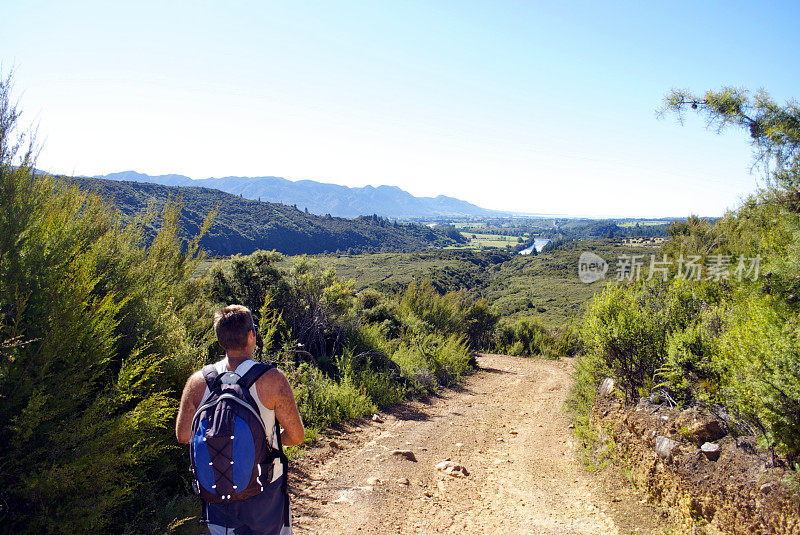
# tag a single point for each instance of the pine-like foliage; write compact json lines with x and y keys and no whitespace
{"x":96,"y":339}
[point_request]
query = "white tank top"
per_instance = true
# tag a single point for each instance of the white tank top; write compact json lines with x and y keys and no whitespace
{"x":267,"y":415}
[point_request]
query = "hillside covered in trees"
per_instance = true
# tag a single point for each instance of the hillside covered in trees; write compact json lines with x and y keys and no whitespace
{"x":244,"y":226}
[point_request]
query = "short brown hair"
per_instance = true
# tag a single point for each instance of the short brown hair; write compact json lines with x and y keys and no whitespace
{"x":231,"y":325}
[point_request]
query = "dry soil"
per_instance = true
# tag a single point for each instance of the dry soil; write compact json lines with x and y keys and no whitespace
{"x":506,"y":426}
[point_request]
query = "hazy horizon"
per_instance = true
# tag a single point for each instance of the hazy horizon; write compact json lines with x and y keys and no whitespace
{"x":511,"y":212}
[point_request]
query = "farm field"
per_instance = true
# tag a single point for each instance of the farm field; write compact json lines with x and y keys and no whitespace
{"x":490,"y":240}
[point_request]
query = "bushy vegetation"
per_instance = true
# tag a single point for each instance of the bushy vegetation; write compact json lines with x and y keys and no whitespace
{"x":97,"y":334}
{"x":349,"y":353}
{"x":523,"y":338}
{"x":727,"y":342}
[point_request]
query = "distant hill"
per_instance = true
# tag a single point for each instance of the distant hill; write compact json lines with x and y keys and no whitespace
{"x":244,"y":225}
{"x":321,"y":198}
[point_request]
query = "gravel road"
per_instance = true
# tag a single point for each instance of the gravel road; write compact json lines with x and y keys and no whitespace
{"x":505,"y":425}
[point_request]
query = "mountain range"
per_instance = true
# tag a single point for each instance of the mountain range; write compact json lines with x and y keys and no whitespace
{"x":321,"y":198}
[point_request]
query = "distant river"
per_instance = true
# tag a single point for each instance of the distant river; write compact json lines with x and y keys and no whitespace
{"x":538,"y":243}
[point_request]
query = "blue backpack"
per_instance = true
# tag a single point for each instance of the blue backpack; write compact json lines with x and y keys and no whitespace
{"x":231,"y":457}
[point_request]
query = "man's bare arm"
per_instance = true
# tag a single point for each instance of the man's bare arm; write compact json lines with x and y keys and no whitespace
{"x":279,"y":397}
{"x":191,"y":397}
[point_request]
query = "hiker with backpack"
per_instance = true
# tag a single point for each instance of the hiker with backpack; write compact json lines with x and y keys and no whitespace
{"x":229,"y":415}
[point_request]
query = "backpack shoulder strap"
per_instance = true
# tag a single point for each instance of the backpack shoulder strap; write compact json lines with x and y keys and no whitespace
{"x":251,"y":376}
{"x":284,"y":477}
{"x":210,"y":374}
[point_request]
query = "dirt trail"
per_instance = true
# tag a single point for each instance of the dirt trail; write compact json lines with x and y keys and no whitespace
{"x":506,"y":426}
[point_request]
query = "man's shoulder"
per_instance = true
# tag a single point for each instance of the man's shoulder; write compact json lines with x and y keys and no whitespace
{"x":195,"y":389}
{"x":273,"y":376}
{"x":197,"y":381}
{"x":272,"y":385}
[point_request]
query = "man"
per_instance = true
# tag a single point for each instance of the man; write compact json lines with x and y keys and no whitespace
{"x":263,"y":513}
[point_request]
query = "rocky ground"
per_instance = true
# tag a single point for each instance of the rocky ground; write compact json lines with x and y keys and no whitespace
{"x":512,"y":466}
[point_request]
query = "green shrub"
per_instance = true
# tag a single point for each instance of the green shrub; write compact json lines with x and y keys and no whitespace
{"x":376,"y":375}
{"x":453,"y":359}
{"x":322,"y":400}
{"x":100,"y":344}
{"x":382,"y":388}
{"x":589,"y":371}
{"x":525,"y":338}
{"x":374,"y":308}
{"x":694,"y":370}
{"x":415,"y":369}
{"x":245,"y":279}
{"x":480,"y":321}
{"x":424,"y":311}
{"x":761,"y":349}
{"x":566,"y":342}
{"x":431,"y":360}
{"x":625,"y":329}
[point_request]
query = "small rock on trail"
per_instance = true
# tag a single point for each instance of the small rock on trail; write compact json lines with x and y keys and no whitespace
{"x":405,"y":454}
{"x":452,"y":469}
{"x":711,"y":451}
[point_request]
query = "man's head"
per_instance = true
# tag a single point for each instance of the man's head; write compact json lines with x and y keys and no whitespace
{"x":232,"y":325}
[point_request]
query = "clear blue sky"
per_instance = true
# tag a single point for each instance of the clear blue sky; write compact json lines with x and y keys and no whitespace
{"x":524,"y":106}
